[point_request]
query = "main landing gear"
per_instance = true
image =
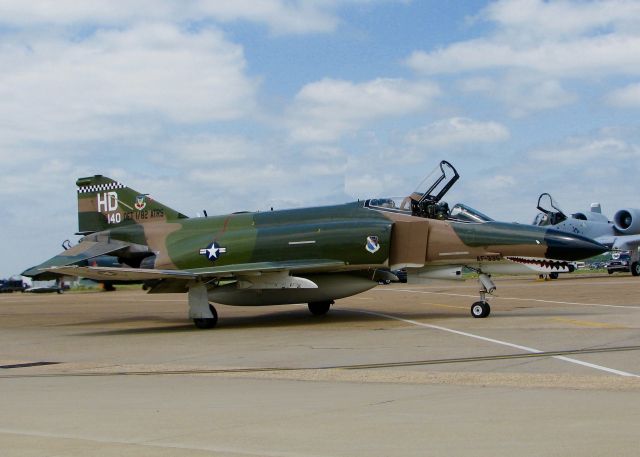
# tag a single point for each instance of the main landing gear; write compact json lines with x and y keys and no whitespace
{"x":207,"y":322}
{"x":202,"y":312}
{"x":481,"y":308}
{"x":320,"y":308}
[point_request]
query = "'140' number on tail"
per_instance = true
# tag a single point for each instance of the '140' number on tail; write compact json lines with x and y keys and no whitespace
{"x":114,"y":218}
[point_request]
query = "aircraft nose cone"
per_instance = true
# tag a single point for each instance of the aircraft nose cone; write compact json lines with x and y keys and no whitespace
{"x":565,"y":246}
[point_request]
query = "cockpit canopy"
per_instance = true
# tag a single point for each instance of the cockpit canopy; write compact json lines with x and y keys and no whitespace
{"x":426,"y":202}
{"x":550,"y":212}
{"x":464,"y":213}
{"x":459,"y":212}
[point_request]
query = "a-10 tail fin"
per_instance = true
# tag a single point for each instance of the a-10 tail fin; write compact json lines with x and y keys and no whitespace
{"x":104,"y":203}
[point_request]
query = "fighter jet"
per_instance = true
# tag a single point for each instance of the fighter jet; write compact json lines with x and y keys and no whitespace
{"x":621,"y":234}
{"x":308,"y":255}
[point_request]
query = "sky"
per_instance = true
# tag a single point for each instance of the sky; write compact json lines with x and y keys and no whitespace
{"x":253,"y":104}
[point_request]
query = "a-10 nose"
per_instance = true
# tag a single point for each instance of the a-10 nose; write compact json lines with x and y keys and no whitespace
{"x":567,"y":246}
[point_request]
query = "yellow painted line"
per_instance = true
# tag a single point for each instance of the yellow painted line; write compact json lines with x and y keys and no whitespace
{"x":587,"y":323}
{"x":445,"y":306}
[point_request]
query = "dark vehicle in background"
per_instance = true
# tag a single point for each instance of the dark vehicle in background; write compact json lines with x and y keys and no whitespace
{"x":401,"y":274}
{"x":386,"y":276}
{"x":49,"y":289}
{"x":622,"y":264}
{"x":13,"y":285}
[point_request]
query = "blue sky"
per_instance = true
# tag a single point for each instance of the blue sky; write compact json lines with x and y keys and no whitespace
{"x":245,"y":105}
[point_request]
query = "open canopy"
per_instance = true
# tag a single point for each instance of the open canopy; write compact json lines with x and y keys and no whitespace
{"x":426,"y":200}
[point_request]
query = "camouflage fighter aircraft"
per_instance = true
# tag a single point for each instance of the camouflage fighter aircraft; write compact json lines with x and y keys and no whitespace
{"x":308,"y":255}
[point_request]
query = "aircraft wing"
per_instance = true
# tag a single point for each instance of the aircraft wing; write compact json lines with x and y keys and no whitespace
{"x":245,"y":269}
{"x":621,"y":243}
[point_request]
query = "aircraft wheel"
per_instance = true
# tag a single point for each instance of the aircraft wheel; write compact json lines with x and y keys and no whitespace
{"x":635,"y":269}
{"x":480,"y":309}
{"x":207,"y":322}
{"x":554,"y":275}
{"x":320,"y":308}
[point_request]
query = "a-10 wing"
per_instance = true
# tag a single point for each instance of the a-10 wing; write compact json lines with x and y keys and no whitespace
{"x":620,"y":243}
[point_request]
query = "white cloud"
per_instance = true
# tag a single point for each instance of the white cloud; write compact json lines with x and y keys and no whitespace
{"x":210,"y":150}
{"x":611,"y":54}
{"x":97,"y":88}
{"x":523,"y":93}
{"x":326,"y":110}
{"x":280,"y":16}
{"x":536,"y":46}
{"x":626,"y":97}
{"x":455,"y":131}
{"x":580,"y":151}
{"x":564,"y":18}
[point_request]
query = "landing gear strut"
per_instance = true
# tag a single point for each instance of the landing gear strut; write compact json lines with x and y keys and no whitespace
{"x":320,"y":308}
{"x":203,"y":313}
{"x":481,"y":308}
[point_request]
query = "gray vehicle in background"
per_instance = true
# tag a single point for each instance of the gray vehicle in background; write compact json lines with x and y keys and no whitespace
{"x":621,"y":263}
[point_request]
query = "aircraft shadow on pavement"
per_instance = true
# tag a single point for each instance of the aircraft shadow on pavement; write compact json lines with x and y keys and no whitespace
{"x":300,"y":317}
{"x":337,"y":319}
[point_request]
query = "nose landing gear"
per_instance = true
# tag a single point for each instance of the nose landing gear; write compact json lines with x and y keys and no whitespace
{"x":481,"y":309}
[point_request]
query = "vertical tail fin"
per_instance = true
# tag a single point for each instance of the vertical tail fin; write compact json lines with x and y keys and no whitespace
{"x":104,"y":203}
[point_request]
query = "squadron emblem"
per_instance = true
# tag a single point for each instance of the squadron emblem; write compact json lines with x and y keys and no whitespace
{"x":213,"y":251}
{"x":372,"y":244}
{"x":141,"y":202}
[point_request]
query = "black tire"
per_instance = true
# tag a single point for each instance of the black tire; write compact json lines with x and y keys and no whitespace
{"x":480,"y":309}
{"x":207,"y":322}
{"x":635,"y":269}
{"x":554,"y":275}
{"x":610,"y":272}
{"x":320,"y":308}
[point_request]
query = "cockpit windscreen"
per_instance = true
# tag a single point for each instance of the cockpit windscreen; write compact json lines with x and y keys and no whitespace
{"x":550,"y":212}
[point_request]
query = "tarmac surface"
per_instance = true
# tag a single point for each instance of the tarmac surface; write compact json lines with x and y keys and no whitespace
{"x":402,"y":370}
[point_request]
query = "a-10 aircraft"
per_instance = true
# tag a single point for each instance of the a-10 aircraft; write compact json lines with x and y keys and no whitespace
{"x":308,"y":255}
{"x":621,"y":234}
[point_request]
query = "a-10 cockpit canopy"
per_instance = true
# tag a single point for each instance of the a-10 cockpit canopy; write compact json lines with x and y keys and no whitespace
{"x":550,"y":212}
{"x":426,"y":202}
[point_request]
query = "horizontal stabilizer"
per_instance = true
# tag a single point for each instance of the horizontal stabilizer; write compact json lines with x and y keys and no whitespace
{"x":79,"y":253}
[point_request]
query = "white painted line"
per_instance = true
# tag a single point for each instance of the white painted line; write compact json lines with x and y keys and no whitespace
{"x":511,"y":298}
{"x":151,"y":300}
{"x":503,"y":343}
{"x":454,"y":253}
{"x":149,"y":443}
{"x":294,"y":243}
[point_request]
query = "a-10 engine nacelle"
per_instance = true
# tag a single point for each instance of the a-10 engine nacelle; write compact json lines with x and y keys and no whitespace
{"x":627,"y":221}
{"x":590,"y":216}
